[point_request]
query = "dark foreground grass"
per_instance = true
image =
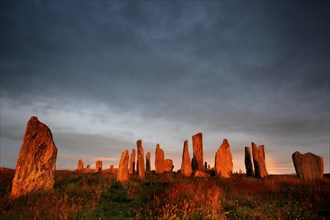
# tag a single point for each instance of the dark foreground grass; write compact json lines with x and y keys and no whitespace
{"x":169,"y":196}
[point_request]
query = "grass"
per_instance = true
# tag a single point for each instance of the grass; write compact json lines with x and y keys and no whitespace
{"x":169,"y":196}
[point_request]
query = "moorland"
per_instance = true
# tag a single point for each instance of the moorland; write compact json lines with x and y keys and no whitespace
{"x":169,"y":196}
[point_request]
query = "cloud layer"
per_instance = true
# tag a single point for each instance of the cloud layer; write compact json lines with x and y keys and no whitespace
{"x":106,"y":74}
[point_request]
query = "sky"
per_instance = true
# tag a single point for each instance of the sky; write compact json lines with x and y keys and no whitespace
{"x":103,"y":74}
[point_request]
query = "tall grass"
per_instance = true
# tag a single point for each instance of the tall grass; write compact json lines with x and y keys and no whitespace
{"x":192,"y":200}
{"x":169,"y":196}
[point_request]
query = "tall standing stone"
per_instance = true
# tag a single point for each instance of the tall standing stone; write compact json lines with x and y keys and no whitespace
{"x":248,"y":162}
{"x":186,"y":169}
{"x":308,"y":166}
{"x":88,"y":168}
{"x":198,"y":161}
{"x":168,"y":165}
{"x":224,"y":160}
{"x":98,"y":167}
{"x":148,"y":162}
{"x":80,"y":166}
{"x":259,"y":161}
{"x":132,"y":162}
{"x":140,"y":156}
{"x":36,"y":160}
{"x":159,"y":160}
{"x":122,"y":174}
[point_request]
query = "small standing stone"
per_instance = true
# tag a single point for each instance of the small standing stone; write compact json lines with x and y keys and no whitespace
{"x":259,"y":161}
{"x":132,"y":162}
{"x":80,"y":166}
{"x":168,"y":165}
{"x":186,"y":169}
{"x":224,"y":160}
{"x":112,"y":169}
{"x":122,"y":175}
{"x":98,"y":167}
{"x":140,"y":153}
{"x":88,"y":169}
{"x":308,"y":166}
{"x":159,"y":160}
{"x":198,"y":161}
{"x":148,"y":162}
{"x":248,"y":162}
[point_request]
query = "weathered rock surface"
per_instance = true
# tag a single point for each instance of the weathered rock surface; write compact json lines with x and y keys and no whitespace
{"x":88,"y":169}
{"x":112,"y":169}
{"x":80,"y":166}
{"x":308,"y":166}
{"x":148,"y":162}
{"x":197,"y":160}
{"x":201,"y":174}
{"x":248,"y":162}
{"x":36,"y":160}
{"x":98,"y":167}
{"x":159,"y":160}
{"x":122,"y":175}
{"x":132,"y":162}
{"x":259,"y":161}
{"x":224,"y":160}
{"x":168,"y":165}
{"x":140,"y":156}
{"x":186,"y":169}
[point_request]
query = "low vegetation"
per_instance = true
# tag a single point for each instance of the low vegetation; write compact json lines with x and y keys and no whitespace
{"x":169,"y":196}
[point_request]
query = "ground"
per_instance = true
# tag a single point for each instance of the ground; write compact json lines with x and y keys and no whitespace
{"x":169,"y":196}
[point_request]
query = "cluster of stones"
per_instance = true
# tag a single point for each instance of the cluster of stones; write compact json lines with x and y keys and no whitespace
{"x":36,"y":163}
{"x":127,"y":164}
{"x":98,"y":167}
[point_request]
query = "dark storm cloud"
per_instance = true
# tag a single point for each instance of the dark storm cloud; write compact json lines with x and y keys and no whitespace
{"x":254,"y":68}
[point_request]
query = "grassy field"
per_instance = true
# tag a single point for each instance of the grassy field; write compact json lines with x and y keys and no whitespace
{"x":169,"y":196}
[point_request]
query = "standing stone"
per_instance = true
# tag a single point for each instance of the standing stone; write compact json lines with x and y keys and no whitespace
{"x":259,"y":161}
{"x":112,"y":170}
{"x":159,"y":160}
{"x":308,"y":166}
{"x":140,"y":157}
{"x":36,"y":160}
{"x":248,"y":162}
{"x":198,"y":161}
{"x":88,"y":169}
{"x":98,"y":167}
{"x":186,"y":169}
{"x":132,"y":162}
{"x":168,"y":165}
{"x":122,"y":175}
{"x":148,"y":162}
{"x":80,"y":166}
{"x":224,"y":160}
